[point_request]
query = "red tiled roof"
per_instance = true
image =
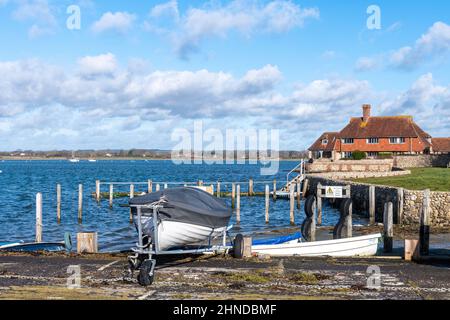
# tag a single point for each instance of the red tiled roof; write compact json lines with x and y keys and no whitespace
{"x":441,"y":145}
{"x":331,"y":137}
{"x":383,"y":127}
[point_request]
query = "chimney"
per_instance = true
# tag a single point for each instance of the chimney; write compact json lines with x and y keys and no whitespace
{"x":366,"y":112}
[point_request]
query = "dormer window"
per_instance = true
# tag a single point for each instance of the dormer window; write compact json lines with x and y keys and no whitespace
{"x":325,"y":141}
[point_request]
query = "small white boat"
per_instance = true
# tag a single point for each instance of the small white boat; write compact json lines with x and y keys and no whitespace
{"x":92,"y":160}
{"x":348,"y":247}
{"x":74,"y":160}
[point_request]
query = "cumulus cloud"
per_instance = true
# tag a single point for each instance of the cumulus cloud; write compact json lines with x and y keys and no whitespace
{"x":104,"y":64}
{"x":244,"y":17}
{"x":117,"y":21}
{"x":39,"y":13}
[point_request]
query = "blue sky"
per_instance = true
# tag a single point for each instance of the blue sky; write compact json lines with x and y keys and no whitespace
{"x":139,"y":69}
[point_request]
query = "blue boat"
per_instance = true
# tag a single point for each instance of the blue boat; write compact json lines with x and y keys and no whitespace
{"x":33,"y":247}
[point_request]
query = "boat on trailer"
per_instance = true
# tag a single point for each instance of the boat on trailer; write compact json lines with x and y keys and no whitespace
{"x":33,"y":247}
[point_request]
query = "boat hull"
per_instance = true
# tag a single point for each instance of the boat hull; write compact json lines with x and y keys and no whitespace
{"x":172,"y":234}
{"x":349,"y":247}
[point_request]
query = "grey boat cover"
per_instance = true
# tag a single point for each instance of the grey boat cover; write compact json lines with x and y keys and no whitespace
{"x":188,"y":205}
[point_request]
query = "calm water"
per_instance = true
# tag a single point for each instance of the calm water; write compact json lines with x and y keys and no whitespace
{"x":21,"y":180}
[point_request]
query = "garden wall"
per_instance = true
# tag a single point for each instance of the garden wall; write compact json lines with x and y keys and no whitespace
{"x":422,"y":161}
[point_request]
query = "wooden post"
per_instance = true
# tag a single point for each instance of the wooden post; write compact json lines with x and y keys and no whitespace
{"x":267,"y":203}
{"x":242,"y":247}
{"x":131,"y":197}
{"x":158,"y":187}
{"x":400,"y":197}
{"x":58,"y":203}
{"x":313,"y":225}
{"x":349,"y":219}
{"x":388,"y":221}
{"x":250,"y":188}
{"x":97,"y":190}
{"x":150,"y":186}
{"x":319,"y":204}
{"x":80,"y":203}
{"x":200,"y":183}
{"x":274,"y":190}
{"x":372,"y":205}
{"x":87,"y":242}
{"x":165,"y":186}
{"x":292,"y":204}
{"x":238,"y":204}
{"x":111,"y":195}
{"x":411,"y":250}
{"x":305,"y":187}
{"x":425,"y":224}
{"x":218,"y":190}
{"x":39,"y":217}
{"x":233,"y":196}
{"x":299,"y":193}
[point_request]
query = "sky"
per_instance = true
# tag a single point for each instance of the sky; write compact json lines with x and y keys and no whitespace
{"x":131,"y":72}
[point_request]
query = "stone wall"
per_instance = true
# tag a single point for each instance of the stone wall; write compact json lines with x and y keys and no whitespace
{"x":422,"y":161}
{"x":351,"y":166}
{"x":361,"y":175}
{"x":412,"y":202}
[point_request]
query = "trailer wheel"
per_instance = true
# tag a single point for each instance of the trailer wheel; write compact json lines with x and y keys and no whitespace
{"x":146,"y":275}
{"x":310,"y":206}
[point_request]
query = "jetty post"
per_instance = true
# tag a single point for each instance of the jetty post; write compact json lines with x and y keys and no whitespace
{"x":97,"y":190}
{"x":218,"y":189}
{"x":111,"y":195}
{"x":400,"y":197}
{"x":233,"y":196}
{"x":80,"y":203}
{"x":165,"y":186}
{"x":292,"y":204}
{"x":349,"y":218}
{"x":250,"y":188}
{"x":158,"y":187}
{"x":372,"y":205}
{"x":87,"y":242}
{"x":150,"y":186}
{"x":299,"y":192}
{"x":131,"y":197}
{"x":388,"y":221}
{"x":424,"y":238}
{"x":305,"y":187}
{"x":39,"y":217}
{"x":58,"y":203}
{"x":238,"y":204}
{"x":267,"y":203}
{"x":319,"y":204}
{"x":274,"y":189}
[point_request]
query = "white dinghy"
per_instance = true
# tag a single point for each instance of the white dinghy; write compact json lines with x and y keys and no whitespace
{"x":348,"y":247}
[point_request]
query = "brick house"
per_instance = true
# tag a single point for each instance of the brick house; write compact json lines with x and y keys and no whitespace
{"x":374,"y":135}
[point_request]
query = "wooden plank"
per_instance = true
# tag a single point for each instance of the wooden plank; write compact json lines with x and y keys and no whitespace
{"x":58,"y":203}
{"x":238,"y":204}
{"x":87,"y":242}
{"x":424,"y":240}
{"x":400,"y":200}
{"x":39,"y":217}
{"x":267,"y":203}
{"x":80,"y":203}
{"x":388,"y":222}
{"x":372,"y":203}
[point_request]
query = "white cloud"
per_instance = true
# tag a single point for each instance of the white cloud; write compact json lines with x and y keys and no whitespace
{"x":366,"y":64}
{"x":169,"y":8}
{"x":118,"y":21}
{"x":39,"y":13}
{"x":244,"y":17}
{"x":104,"y":64}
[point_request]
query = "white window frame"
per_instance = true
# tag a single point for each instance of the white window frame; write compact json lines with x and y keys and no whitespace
{"x":397,"y":140}
{"x":344,"y":141}
{"x":368,"y":140}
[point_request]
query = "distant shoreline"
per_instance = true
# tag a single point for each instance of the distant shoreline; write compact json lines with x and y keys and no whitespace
{"x":120,"y":159}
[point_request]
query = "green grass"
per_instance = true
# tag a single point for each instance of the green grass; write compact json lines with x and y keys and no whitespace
{"x":435,"y":179}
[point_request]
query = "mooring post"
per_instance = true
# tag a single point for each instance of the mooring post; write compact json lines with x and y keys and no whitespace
{"x":233,"y":196}
{"x":305,"y":187}
{"x":319,"y":204}
{"x":424,"y":238}
{"x":292,"y":204}
{"x":111,"y":195}
{"x":238,"y":204}
{"x":274,"y":190}
{"x":218,"y":190}
{"x":400,"y":196}
{"x":150,"y":186}
{"x":267,"y":203}
{"x":58,"y":203}
{"x":299,"y":193}
{"x":80,"y":203}
{"x":372,"y":205}
{"x":388,"y":221}
{"x":349,"y":218}
{"x":97,"y":190}
{"x":158,"y":187}
{"x":250,"y":187}
{"x":313,"y":225}
{"x":87,"y":242}
{"x":131,"y":197}
{"x":39,"y":217}
{"x":200,"y":183}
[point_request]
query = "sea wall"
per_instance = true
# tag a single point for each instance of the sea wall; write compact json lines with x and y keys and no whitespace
{"x":412,"y":201}
{"x":351,"y":166}
{"x":422,"y":161}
